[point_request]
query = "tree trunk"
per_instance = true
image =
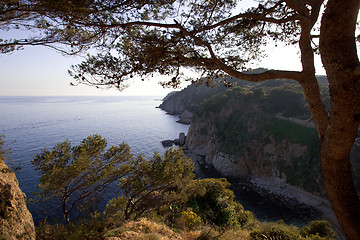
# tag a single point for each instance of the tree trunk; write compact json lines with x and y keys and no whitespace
{"x":339,"y":57}
{"x":65,"y":211}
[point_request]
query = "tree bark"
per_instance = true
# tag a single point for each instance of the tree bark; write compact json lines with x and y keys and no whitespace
{"x":65,"y":211}
{"x":339,"y":57}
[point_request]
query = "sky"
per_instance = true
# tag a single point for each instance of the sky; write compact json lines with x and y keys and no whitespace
{"x":40,"y":71}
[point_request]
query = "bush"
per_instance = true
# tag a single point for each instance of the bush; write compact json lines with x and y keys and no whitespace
{"x":192,"y":220}
{"x":319,"y":228}
{"x":278,"y":231}
{"x":90,"y":229}
{"x":214,"y":203}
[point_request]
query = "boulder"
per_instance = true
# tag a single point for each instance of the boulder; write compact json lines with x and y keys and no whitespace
{"x":167,"y":143}
{"x":181,"y":139}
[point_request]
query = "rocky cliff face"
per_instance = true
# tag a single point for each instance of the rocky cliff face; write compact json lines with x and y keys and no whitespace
{"x":15,"y":219}
{"x":241,"y":140}
{"x":265,"y":157}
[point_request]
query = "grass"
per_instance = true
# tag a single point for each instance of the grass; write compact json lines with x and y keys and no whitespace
{"x":295,"y":132}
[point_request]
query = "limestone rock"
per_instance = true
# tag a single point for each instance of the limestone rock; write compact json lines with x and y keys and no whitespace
{"x":16,"y":221}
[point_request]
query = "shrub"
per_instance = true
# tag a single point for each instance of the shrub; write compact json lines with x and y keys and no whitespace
{"x":214,"y":203}
{"x":278,"y":231}
{"x":192,"y":220}
{"x":91,"y":229}
{"x":319,"y":227}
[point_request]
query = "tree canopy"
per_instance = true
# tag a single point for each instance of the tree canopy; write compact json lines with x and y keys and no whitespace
{"x":153,"y":183}
{"x":78,"y":176}
{"x":212,"y":37}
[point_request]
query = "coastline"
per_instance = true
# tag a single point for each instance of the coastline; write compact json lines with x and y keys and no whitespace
{"x":280,"y":196}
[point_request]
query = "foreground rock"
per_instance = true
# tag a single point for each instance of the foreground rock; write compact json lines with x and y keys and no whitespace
{"x":16,"y":221}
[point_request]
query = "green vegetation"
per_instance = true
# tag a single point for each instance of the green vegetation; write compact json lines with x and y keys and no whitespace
{"x":78,"y":176}
{"x":150,"y":184}
{"x":316,"y":230}
{"x":299,"y":173}
{"x":295,"y":132}
{"x":159,"y":198}
{"x":287,"y":100}
{"x":214,"y":202}
{"x":319,"y":228}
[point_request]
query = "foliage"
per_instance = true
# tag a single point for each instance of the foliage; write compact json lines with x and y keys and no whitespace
{"x":214,"y":203}
{"x":320,"y":228}
{"x":316,"y":230}
{"x":137,"y":39}
{"x":78,"y":176}
{"x":191,"y":219}
{"x":278,"y":231}
{"x":152,"y":183}
{"x":92,"y":228}
{"x":144,"y":228}
{"x":238,"y":117}
{"x":302,"y":134}
{"x":295,"y":104}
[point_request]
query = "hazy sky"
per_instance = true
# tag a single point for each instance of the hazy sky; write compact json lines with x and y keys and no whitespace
{"x":44,"y":72}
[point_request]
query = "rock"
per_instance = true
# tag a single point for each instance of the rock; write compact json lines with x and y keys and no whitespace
{"x":185,"y":117}
{"x":182,"y":139}
{"x":167,"y":143}
{"x":16,"y":221}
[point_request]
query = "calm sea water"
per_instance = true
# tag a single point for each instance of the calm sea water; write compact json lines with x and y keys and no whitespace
{"x":32,"y":123}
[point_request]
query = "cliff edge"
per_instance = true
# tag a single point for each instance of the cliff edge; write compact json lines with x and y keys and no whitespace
{"x":16,"y":221}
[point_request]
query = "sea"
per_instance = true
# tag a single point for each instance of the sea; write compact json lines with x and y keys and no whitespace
{"x":30,"y":124}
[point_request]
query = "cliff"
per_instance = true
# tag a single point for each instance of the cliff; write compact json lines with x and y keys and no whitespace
{"x":15,"y":219}
{"x":262,"y":131}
